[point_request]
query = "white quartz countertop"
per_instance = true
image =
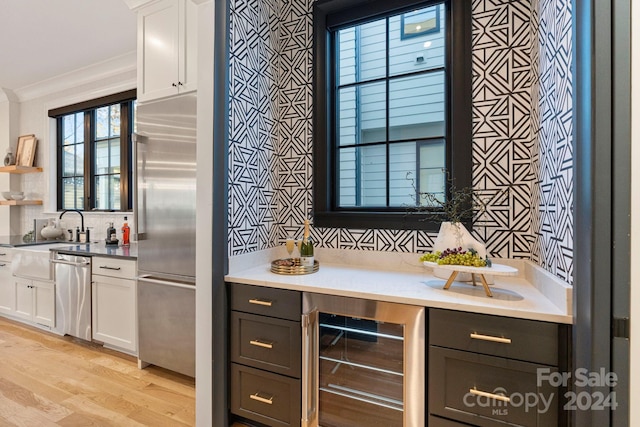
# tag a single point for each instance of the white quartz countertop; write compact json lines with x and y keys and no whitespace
{"x":414,"y":284}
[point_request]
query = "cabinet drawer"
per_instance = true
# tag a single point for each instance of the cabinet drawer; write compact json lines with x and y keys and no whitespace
{"x":273,"y":302}
{"x":520,"y":339}
{"x":113,"y":267}
{"x":266,"y":343}
{"x":458,"y":379}
{"x":268,"y":398}
{"x":6,"y":255}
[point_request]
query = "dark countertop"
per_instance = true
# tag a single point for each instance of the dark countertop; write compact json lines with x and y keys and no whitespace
{"x":17,"y":241}
{"x":99,"y":249}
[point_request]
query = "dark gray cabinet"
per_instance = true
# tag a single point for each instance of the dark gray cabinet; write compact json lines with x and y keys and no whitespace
{"x":265,"y":345}
{"x":487,"y":370}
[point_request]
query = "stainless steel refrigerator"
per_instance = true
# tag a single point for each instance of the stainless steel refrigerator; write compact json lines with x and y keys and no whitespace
{"x":165,"y":139}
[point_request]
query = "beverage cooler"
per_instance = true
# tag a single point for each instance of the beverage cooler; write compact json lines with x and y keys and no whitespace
{"x":363,"y":363}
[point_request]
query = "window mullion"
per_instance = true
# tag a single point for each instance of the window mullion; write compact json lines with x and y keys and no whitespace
{"x":387,"y":110}
{"x":88,"y":156}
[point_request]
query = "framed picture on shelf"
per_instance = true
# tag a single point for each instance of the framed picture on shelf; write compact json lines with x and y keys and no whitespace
{"x":26,"y":150}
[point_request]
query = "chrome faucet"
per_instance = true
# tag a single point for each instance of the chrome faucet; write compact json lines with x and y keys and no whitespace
{"x":79,"y":213}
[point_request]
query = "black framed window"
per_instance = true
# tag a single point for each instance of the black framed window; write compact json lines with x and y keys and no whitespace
{"x":392,"y":108}
{"x":94,"y":154}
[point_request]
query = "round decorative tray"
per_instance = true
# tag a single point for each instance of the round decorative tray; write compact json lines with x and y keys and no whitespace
{"x":291,"y":266}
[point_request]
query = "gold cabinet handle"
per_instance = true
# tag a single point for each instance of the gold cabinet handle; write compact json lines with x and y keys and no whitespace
{"x":261,"y":399}
{"x":489,"y":395}
{"x":475,"y":336}
{"x":262,"y":344}
{"x":261,"y":302}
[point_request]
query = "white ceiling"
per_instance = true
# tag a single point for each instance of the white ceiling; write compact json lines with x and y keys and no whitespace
{"x":41,"y":39}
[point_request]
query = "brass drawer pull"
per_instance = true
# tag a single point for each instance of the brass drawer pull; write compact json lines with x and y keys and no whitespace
{"x":262,"y":344}
{"x":489,"y":395}
{"x":261,"y":399}
{"x":490,"y":338}
{"x":261,"y":302}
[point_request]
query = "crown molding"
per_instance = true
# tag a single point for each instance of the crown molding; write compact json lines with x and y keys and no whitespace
{"x":7,"y":95}
{"x":92,"y":73}
{"x":137,"y":4}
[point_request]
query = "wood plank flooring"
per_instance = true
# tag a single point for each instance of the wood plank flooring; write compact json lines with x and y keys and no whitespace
{"x":48,"y":380}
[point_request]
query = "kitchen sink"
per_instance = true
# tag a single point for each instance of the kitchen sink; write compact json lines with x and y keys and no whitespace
{"x":32,"y":262}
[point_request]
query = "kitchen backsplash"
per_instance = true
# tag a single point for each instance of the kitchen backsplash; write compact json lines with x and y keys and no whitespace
{"x":522,"y":131}
{"x":97,"y":221}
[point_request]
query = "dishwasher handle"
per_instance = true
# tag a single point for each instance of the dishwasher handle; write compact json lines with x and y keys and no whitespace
{"x":75,"y":264}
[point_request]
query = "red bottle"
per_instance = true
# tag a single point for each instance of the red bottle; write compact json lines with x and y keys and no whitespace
{"x":125,"y":233}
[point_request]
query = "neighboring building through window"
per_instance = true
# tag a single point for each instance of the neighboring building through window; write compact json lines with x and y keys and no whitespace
{"x":94,"y":154}
{"x":392,"y":115}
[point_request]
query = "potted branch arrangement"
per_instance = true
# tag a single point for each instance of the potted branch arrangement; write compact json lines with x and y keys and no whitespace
{"x":454,"y":244}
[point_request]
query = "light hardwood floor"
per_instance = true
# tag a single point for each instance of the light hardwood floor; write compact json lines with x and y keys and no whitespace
{"x":48,"y":380}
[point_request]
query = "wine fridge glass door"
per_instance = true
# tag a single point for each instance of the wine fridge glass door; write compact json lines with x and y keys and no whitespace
{"x":369,"y":362}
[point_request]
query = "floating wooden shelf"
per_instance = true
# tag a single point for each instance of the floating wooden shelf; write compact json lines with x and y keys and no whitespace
{"x":19,"y":202}
{"x":20,"y":169}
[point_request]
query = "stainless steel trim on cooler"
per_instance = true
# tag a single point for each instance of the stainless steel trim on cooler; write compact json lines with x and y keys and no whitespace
{"x":411,"y":317}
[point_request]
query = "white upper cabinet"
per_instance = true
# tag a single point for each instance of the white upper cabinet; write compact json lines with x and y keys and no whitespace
{"x":167,"y":49}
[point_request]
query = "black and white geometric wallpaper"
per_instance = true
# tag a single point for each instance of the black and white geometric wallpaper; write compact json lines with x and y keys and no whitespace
{"x":553,"y":158}
{"x":514,"y":72}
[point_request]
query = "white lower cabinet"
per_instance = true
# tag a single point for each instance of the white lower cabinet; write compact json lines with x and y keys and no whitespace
{"x":113,"y":302}
{"x":35,"y":301}
{"x":7,"y":289}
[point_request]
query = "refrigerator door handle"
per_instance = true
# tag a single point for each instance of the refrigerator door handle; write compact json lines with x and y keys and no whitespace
{"x":175,"y":284}
{"x":140,"y":142}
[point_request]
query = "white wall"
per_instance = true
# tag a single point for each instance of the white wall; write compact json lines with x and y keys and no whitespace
{"x":634,"y":368}
{"x":204,"y":218}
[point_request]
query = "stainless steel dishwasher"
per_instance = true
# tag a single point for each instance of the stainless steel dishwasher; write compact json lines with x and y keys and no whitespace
{"x":72,"y":275}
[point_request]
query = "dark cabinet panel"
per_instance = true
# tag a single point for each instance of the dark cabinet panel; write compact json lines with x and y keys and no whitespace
{"x":520,"y":339}
{"x":489,"y":391}
{"x":261,"y":396}
{"x":266,"y":343}
{"x":272,"y":302}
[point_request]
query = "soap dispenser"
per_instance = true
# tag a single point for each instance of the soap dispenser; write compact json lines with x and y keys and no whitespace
{"x":111,"y":235}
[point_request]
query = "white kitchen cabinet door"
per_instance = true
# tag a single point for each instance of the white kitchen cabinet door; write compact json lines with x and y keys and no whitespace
{"x":44,"y":303}
{"x":167,"y":49}
{"x":114,"y":312}
{"x":23,"y":299}
{"x":35,"y":301}
{"x":7,"y":289}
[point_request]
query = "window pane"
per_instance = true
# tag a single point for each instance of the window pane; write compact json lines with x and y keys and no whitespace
{"x":364,"y":171}
{"x":73,"y":193}
{"x":362,"y":114}
{"x":68,"y":130}
{"x":346,"y":43}
{"x":347,"y":177}
{"x":79,"y":127}
{"x":73,"y":160}
{"x":416,"y":40}
{"x":107,"y":192}
{"x":107,"y":154}
{"x":102,"y":122}
{"x":372,"y":47}
{"x":402,"y":160}
{"x":432,"y":175}
{"x":114,"y":113}
{"x":361,"y":52}
{"x":416,"y":106}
